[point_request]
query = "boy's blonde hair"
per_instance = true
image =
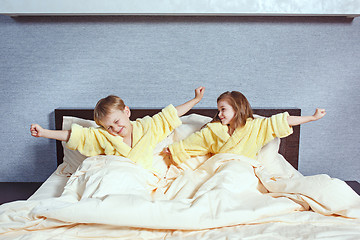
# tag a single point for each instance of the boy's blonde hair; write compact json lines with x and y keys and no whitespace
{"x":105,"y":105}
{"x":241,"y":106}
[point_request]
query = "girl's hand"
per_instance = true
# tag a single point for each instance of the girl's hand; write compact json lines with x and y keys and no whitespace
{"x":36,"y":130}
{"x":319,"y":113}
{"x":166,"y":154}
{"x":199,"y":93}
{"x":297,"y":120}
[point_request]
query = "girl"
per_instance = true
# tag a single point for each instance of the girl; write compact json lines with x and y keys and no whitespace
{"x":235,"y":130}
{"x":118,"y":135}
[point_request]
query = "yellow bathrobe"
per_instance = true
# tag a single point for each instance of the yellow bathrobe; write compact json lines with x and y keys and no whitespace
{"x":246,"y":141}
{"x":147,"y":132}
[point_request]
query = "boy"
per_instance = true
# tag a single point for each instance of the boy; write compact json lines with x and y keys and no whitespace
{"x":118,"y":135}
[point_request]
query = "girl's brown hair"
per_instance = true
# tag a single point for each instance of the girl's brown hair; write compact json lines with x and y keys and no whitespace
{"x":105,"y":105}
{"x":241,"y":106}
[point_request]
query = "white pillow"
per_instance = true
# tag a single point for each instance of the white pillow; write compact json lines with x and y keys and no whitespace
{"x":190,"y":124}
{"x":72,"y":159}
{"x":274,"y":163}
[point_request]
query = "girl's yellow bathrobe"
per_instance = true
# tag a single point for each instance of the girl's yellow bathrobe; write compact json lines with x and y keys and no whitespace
{"x":147,"y":132}
{"x":246,"y":140}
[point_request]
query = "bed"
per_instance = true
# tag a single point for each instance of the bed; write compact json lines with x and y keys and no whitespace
{"x":273,"y":201}
{"x":289,"y":147}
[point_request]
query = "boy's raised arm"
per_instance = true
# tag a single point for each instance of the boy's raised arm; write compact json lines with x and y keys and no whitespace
{"x":61,"y":135}
{"x":185,"y":107}
{"x":297,"y":120}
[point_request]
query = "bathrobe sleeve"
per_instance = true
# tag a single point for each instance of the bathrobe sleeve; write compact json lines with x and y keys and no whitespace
{"x":163,"y":123}
{"x":91,"y":141}
{"x":197,"y":144}
{"x":269,"y":128}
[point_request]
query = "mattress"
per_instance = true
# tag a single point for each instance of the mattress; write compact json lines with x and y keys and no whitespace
{"x":52,"y":187}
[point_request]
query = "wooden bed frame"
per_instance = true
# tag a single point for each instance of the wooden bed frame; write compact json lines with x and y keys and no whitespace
{"x":289,"y":146}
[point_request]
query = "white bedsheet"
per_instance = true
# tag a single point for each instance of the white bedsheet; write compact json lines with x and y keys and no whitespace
{"x":51,"y":188}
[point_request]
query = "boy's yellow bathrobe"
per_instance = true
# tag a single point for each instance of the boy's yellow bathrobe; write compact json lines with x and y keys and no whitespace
{"x":246,"y":141}
{"x":147,"y":132}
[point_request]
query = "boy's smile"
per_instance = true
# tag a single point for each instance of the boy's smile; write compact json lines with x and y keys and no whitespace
{"x":120,"y":130}
{"x":117,"y":123}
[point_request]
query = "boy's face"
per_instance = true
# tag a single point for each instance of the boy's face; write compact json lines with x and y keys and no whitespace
{"x":117,"y":123}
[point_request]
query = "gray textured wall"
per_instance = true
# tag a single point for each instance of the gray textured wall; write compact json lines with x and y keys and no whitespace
{"x":52,"y":62}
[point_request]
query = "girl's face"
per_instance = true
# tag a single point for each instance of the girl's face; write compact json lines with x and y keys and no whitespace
{"x":226,"y":112}
{"x":117,"y":123}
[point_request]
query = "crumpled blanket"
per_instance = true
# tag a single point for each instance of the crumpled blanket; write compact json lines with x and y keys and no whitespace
{"x":226,"y":190}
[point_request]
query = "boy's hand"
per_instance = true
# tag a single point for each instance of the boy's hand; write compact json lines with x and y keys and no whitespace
{"x":61,"y":135}
{"x":185,"y":107}
{"x":319,"y":113}
{"x":36,"y":130}
{"x":199,"y":93}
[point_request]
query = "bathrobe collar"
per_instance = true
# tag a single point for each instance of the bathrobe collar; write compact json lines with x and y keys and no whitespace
{"x":124,"y":149}
{"x":238,"y":135}
{"x":221,"y":131}
{"x":138,"y":136}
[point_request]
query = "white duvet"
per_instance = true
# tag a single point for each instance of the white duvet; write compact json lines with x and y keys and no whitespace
{"x":224,"y":197}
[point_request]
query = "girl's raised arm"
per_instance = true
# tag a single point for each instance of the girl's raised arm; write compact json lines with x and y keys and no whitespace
{"x":185,"y":107}
{"x":297,"y":120}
